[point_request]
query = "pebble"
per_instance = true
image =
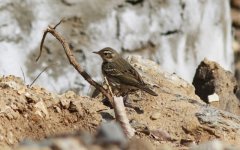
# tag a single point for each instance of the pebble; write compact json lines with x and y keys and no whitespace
{"x":213,"y":98}
{"x":57,"y":109}
{"x":40,"y":106}
{"x":65,"y":102}
{"x":70,"y":94}
{"x":155,"y":116}
{"x":10,"y":138}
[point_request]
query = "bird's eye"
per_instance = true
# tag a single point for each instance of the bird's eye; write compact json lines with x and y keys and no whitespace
{"x":107,"y":53}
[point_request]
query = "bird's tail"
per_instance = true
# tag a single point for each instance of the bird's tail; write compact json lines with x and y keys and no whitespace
{"x":148,"y":90}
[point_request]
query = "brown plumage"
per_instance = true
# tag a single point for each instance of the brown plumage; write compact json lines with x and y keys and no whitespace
{"x":119,"y":71}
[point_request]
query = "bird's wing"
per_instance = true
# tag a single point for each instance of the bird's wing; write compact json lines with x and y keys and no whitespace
{"x":123,"y":72}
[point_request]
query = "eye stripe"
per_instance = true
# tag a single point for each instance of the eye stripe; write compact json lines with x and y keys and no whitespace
{"x":107,"y":52}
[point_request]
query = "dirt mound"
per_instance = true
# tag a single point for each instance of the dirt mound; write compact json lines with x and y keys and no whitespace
{"x":34,"y":113}
{"x":177,"y":117}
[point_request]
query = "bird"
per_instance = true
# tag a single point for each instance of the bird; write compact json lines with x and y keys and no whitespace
{"x":119,"y":72}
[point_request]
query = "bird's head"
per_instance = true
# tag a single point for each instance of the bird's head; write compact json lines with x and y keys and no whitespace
{"x":108,"y":54}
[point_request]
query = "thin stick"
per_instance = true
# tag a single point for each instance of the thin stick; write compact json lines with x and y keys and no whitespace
{"x":44,"y":36}
{"x":38,"y":76}
{"x":108,"y":85}
{"x":120,"y":113}
{"x":58,"y":23}
{"x":23,"y":75}
{"x":41,"y":46}
{"x":121,"y":116}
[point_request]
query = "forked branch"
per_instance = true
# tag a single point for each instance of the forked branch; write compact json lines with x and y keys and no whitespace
{"x":117,"y":102}
{"x":72,"y":59}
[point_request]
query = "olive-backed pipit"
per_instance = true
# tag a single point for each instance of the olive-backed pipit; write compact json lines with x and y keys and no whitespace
{"x":119,"y":72}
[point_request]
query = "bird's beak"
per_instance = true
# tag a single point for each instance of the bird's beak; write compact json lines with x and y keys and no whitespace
{"x":95,"y":52}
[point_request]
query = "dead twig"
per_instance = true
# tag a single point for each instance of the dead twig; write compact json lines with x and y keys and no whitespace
{"x":72,"y":59}
{"x":117,"y":102}
{"x":58,"y":24}
{"x":121,"y":116}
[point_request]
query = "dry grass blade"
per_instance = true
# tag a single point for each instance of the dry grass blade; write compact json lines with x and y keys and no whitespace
{"x":24,"y":78}
{"x":38,"y":76}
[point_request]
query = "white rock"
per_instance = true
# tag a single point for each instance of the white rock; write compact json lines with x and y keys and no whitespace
{"x":213,"y":98}
{"x":41,"y":107}
{"x":65,"y":102}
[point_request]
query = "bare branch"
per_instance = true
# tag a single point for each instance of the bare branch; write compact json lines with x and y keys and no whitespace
{"x":58,"y":23}
{"x":121,"y":116}
{"x":117,"y":102}
{"x":72,"y":59}
{"x":41,"y":46}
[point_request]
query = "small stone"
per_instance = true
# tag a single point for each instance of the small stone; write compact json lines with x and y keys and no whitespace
{"x":10,"y":139}
{"x":22,"y":90}
{"x":41,"y":107}
{"x":155,"y":116}
{"x":65,"y":102}
{"x":140,"y":126}
{"x":39,"y":113}
{"x":76,"y":107}
{"x":9,"y":113}
{"x":70,"y":94}
{"x":187,"y":142}
{"x":1,"y":137}
{"x":12,"y":84}
{"x":31,"y":98}
{"x":57,"y":109}
{"x":213,"y":98}
{"x":161,"y":135}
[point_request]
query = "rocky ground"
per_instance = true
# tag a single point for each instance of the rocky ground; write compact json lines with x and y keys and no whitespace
{"x":33,"y":118}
